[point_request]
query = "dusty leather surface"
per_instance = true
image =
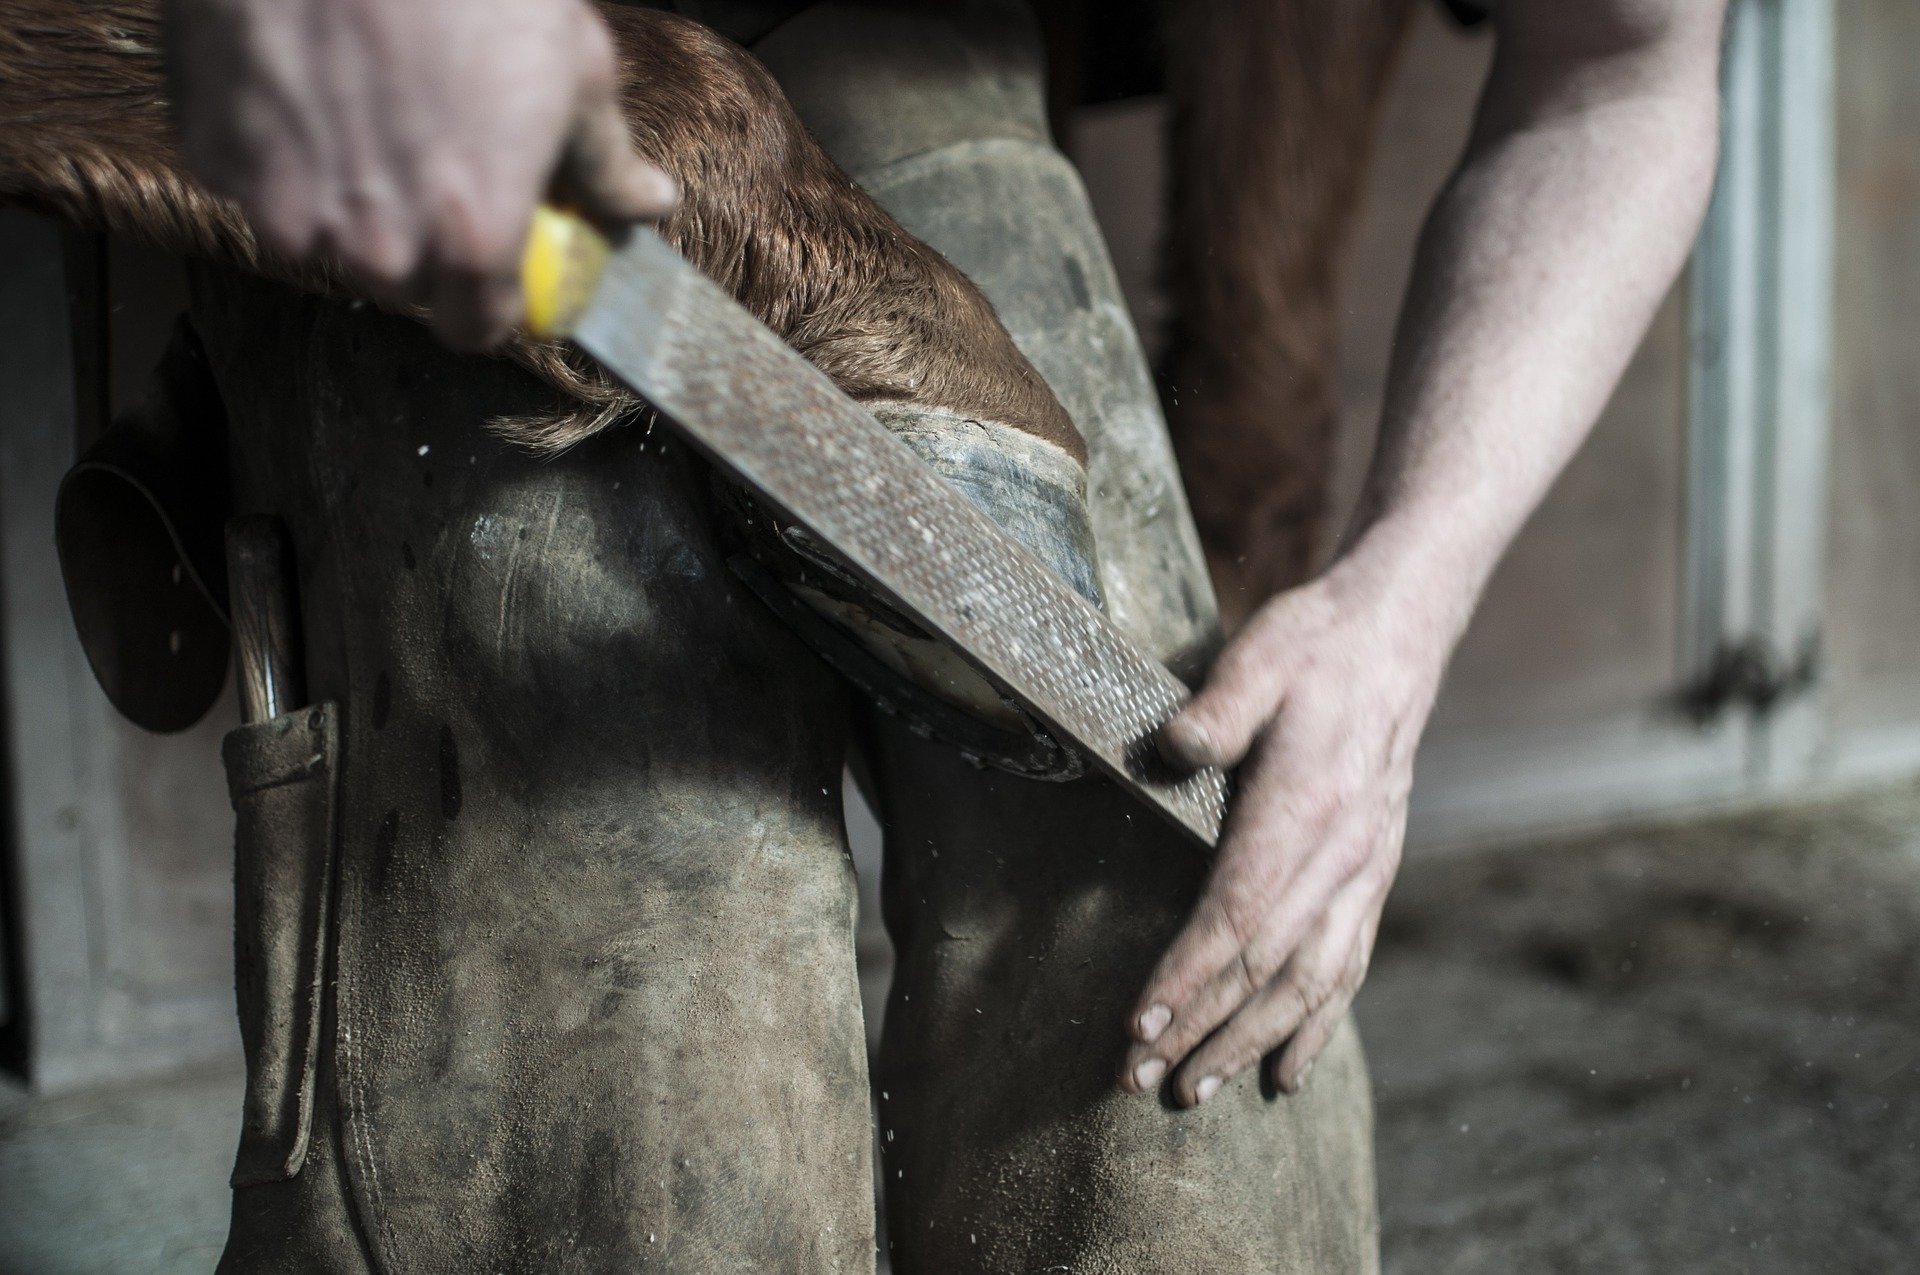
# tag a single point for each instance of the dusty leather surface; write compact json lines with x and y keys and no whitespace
{"x":283,"y":777}
{"x":594,"y":993}
{"x":939,"y":115}
{"x":1027,"y":916}
{"x":1033,"y":490}
{"x":593,"y":999}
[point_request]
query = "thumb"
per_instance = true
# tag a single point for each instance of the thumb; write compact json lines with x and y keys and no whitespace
{"x":599,"y":171}
{"x":1217,"y":726}
{"x":605,"y":177}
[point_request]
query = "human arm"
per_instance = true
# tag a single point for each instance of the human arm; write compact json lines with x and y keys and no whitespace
{"x":1543,"y":260}
{"x":409,"y":141}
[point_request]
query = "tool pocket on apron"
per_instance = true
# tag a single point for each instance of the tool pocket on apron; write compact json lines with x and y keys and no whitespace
{"x":283,"y":776}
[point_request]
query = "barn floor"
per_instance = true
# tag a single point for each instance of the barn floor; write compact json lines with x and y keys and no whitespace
{"x":1692,"y":1048}
{"x":1687,"y":1048}
{"x":121,"y":1181}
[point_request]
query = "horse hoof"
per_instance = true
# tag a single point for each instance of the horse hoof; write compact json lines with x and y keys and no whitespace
{"x":1033,"y":490}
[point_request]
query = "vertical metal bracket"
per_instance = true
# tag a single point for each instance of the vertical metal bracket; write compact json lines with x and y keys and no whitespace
{"x":1761,"y":334}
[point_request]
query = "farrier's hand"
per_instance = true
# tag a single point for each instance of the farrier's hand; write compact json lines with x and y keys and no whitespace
{"x":408,"y":139}
{"x":1324,"y":694}
{"x":1547,"y":253}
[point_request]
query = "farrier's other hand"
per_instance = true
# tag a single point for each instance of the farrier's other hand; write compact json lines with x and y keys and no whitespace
{"x":1321,"y":700}
{"x":408,"y":139}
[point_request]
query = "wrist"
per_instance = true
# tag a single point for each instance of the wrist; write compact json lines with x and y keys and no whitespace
{"x":1420,"y":583}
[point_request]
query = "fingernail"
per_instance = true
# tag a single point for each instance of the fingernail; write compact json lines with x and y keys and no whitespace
{"x":1153,"y":1022}
{"x":1208,"y":1086}
{"x":1299,"y":1079}
{"x":1148,"y":1073}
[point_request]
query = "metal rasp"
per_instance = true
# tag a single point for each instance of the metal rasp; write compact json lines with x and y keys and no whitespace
{"x":263,"y":607}
{"x":781,"y":428}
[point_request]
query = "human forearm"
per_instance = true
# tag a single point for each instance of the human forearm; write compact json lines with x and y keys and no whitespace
{"x":1544,"y":258}
{"x":1538,"y":271}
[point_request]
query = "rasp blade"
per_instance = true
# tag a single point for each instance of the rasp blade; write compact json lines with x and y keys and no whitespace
{"x":777,"y":424}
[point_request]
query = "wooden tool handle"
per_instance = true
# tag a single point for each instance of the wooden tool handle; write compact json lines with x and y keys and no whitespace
{"x":264,"y":601}
{"x":559,"y":270}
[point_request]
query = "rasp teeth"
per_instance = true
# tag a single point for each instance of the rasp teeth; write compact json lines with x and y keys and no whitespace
{"x":782,"y":429}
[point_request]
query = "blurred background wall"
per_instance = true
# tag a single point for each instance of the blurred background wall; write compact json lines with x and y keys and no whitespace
{"x":1669,"y":631}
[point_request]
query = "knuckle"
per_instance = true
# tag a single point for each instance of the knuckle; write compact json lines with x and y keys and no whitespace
{"x":381,"y":263}
{"x":283,"y":232}
{"x":455,"y":234}
{"x":1180,"y":1039}
{"x":1245,"y":680}
{"x":595,"y":59}
{"x":1238,"y":703}
{"x":1224,"y":1052}
{"x":1330,"y":1015}
{"x":1275,"y":621}
{"x":1312,"y":990}
{"x":1295,"y":1002}
{"x":1268,"y":962}
{"x":1241,"y":1052}
{"x":471,"y":237}
{"x":1243,"y":974}
{"x":1244,"y":1043}
{"x":285,"y":218}
{"x":1197,"y":1020}
{"x":373,"y":241}
{"x":1240,"y":920}
{"x":1235,"y":667}
{"x":1201,"y":714}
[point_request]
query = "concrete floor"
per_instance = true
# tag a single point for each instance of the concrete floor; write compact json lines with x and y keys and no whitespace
{"x":1690,"y":1048}
{"x":1682,"y":1049}
{"x":122,"y":1181}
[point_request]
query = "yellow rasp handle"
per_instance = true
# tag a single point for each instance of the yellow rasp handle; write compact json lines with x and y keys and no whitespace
{"x":559,"y":270}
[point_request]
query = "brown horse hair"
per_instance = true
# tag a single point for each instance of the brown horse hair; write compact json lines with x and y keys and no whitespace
{"x":85,"y":135}
{"x":1275,"y":109}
